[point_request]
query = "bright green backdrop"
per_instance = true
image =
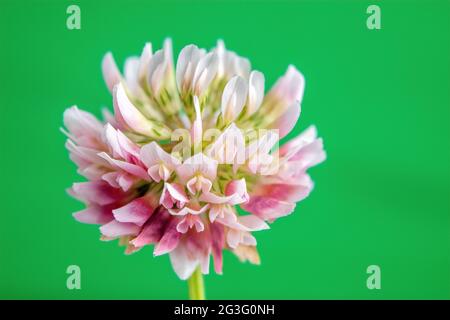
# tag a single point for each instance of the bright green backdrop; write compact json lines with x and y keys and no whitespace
{"x":380,"y":99}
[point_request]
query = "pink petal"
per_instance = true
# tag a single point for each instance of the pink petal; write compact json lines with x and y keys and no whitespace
{"x":217,"y":245}
{"x":188,"y":210}
{"x":115,"y":229}
{"x":293,"y":146}
{"x":88,"y":155}
{"x":137,"y":211}
{"x":290,"y":86}
{"x":132,"y":169}
{"x":268,"y":208}
{"x":129,"y":113}
{"x":153,"y":229}
{"x":238,"y":189}
{"x":169,"y":240}
{"x":111,"y":73}
{"x":293,"y":189}
{"x":189,"y":221}
{"x":245,"y":223}
{"x":84,"y":128}
{"x":286,"y":122}
{"x":236,"y":237}
{"x":94,"y":215}
{"x":183,"y":263}
{"x":173,"y":193}
{"x":120,"y":144}
{"x":197,"y":164}
{"x":98,"y":192}
{"x":198,"y":183}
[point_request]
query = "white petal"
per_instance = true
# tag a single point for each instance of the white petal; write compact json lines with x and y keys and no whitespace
{"x":132,"y":116}
{"x":205,"y":72}
{"x":111,"y":73}
{"x":255,"y":91}
{"x":144,"y":60}
{"x":186,"y":64}
{"x":233,"y":98}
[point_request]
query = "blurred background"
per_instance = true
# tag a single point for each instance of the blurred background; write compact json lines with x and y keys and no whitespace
{"x":379,"y":98}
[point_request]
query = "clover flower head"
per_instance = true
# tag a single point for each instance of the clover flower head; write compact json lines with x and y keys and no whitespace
{"x":185,"y":148}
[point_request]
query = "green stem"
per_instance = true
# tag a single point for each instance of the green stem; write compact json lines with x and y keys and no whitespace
{"x":196,"y":286}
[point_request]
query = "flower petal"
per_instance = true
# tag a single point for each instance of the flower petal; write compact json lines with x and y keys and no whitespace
{"x":137,"y":211}
{"x":197,"y":164}
{"x":287,"y":121}
{"x":169,"y":240}
{"x":94,"y":215}
{"x":153,"y":229}
{"x":116,"y":229}
{"x":111,"y":73}
{"x":99,"y":192}
{"x":268,"y":208}
{"x":233,"y":98}
{"x":255,"y":92}
{"x":205,"y":72}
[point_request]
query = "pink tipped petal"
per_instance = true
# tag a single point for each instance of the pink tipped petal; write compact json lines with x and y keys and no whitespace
{"x":310,"y":155}
{"x":94,"y":215}
{"x":294,"y":191}
{"x":197,"y":164}
{"x":245,"y":223}
{"x":111,"y":73}
{"x":132,"y":169}
{"x":137,"y":211}
{"x":290,"y":148}
{"x":287,"y":121}
{"x":290,"y":87}
{"x":190,"y":221}
{"x":173,"y":194}
{"x":115,"y":229}
{"x":268,"y":208}
{"x":160,"y":164}
{"x":99,"y":192}
{"x":125,"y":181}
{"x":183,"y":263}
{"x":169,"y":240}
{"x":252,"y":223}
{"x":84,"y":128}
{"x":153,"y":229}
{"x":217,"y":245}
{"x":130,"y":114}
{"x":237,"y":189}
{"x":84,"y":156}
{"x":152,"y":154}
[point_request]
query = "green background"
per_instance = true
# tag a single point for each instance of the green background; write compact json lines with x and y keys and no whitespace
{"x":380,"y":99}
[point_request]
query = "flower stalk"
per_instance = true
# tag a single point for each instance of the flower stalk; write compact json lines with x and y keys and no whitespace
{"x":196,"y":285}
